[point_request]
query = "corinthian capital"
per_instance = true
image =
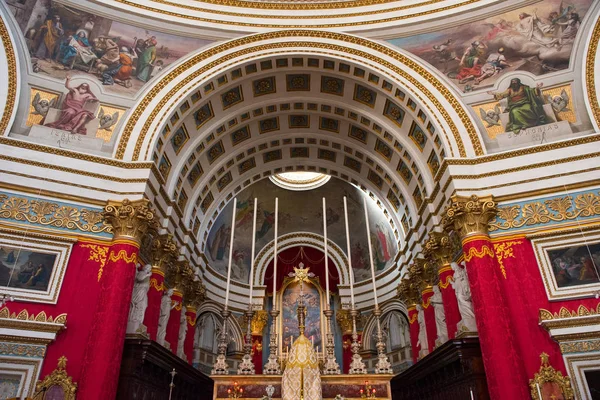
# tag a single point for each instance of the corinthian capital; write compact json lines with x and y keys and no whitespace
{"x":164,"y":250}
{"x":408,"y":292}
{"x":439,"y":247}
{"x":470,"y":215}
{"x":129,"y":219}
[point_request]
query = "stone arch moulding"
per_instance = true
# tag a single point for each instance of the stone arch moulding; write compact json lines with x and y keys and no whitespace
{"x":141,"y":130}
{"x":9,"y":67}
{"x":237,"y":336}
{"x":300,"y":239}
{"x":370,"y":329}
{"x":591,"y":73}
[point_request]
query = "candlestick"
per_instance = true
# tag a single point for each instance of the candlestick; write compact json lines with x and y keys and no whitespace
{"x":326,"y":254}
{"x":472,"y":398}
{"x":350,"y":272}
{"x":539,"y":391}
{"x":275,"y":250}
{"x":272,"y":367}
{"x":383,"y":365}
{"x":230,"y":252}
{"x":252,"y":254}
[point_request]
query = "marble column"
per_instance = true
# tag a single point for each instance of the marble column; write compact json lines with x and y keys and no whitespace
{"x":469,"y":217}
{"x":164,"y":251}
{"x":439,"y":247}
{"x":130,"y":220}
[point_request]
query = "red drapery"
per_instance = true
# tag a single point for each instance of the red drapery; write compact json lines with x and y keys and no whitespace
{"x":505,"y":372}
{"x":188,"y":345}
{"x":104,"y":349}
{"x":449,"y":299}
{"x":429,"y":318}
{"x":414,"y":331}
{"x":174,"y":324}
{"x":311,"y":257}
{"x":155,"y":294}
{"x":257,"y":352}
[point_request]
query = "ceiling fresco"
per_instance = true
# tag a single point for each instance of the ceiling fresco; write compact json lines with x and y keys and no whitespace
{"x":538,"y":39}
{"x":301,"y":212}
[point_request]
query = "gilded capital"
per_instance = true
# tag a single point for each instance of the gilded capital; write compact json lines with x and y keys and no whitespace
{"x":129,"y":219}
{"x":470,"y":215}
{"x":408,"y":292}
{"x":179,"y":273}
{"x":259,"y":321}
{"x":163,"y":251}
{"x":439,"y":247}
{"x":344,"y":320}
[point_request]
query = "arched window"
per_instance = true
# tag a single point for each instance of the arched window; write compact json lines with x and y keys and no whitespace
{"x":398,"y":332}
{"x":206,"y":332}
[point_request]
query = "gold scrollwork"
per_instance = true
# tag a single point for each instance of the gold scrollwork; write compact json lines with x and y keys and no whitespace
{"x":413,"y":319}
{"x":538,"y":212}
{"x":52,"y":214}
{"x":485,"y":251}
{"x":58,"y":377}
{"x":505,"y":250}
{"x":582,"y":311}
{"x":445,"y":283}
{"x":122,"y":255}
{"x":259,"y":321}
{"x":547,"y":374}
{"x":154,"y":284}
{"x":99,"y":254}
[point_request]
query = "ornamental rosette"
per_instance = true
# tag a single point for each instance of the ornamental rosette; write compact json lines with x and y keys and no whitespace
{"x":129,"y":219}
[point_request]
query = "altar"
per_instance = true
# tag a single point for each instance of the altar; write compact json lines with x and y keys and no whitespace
{"x":254,"y":387}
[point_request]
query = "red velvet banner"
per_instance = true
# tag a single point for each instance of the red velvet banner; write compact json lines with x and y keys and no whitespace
{"x":172,"y":336}
{"x":429,"y":318}
{"x":505,"y":372}
{"x":155,"y":294}
{"x":523,"y":287}
{"x":346,"y":352}
{"x":414,"y":332}
{"x":188,"y":345}
{"x":104,"y":349}
{"x":257,"y":353}
{"x":449,"y":300}
{"x":78,"y":296}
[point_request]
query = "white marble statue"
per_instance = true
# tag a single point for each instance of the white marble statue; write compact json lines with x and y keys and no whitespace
{"x":422,"y":332}
{"x":165,"y":311}
{"x":440,"y":316}
{"x":183,"y":327}
{"x":139,"y":300}
{"x":460,"y":284}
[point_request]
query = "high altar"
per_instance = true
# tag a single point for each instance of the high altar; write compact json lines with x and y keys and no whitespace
{"x":302,"y":329}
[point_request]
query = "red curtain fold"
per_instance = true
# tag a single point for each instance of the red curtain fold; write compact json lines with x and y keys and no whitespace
{"x":155,"y":293}
{"x":505,"y":372}
{"x":449,"y":299}
{"x":414,"y":332}
{"x":174,"y":324}
{"x":104,"y":349}
{"x":257,"y":353}
{"x":429,"y":318}
{"x":188,"y":345}
{"x":346,"y":352}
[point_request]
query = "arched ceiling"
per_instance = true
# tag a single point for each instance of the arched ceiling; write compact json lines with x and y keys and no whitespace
{"x":298,"y":113}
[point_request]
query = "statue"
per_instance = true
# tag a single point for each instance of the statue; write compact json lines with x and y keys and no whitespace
{"x":460,"y":284}
{"x":440,"y":316}
{"x":139,"y":300}
{"x":163,"y":320}
{"x":183,"y":327}
{"x":422,"y":332}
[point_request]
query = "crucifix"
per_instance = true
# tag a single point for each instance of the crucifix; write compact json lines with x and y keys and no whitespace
{"x":301,"y":275}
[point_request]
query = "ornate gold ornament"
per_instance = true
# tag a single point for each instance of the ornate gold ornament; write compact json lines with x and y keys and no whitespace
{"x":538,"y":212}
{"x":439,"y":246}
{"x":344,"y":320}
{"x":11,"y":61}
{"x":547,"y":374}
{"x":123,"y":255}
{"x":469,"y":215}
{"x":154,"y":284}
{"x":504,"y":250}
{"x":51,"y":214}
{"x":99,"y":254}
{"x":483,"y":252}
{"x":163,"y":251}
{"x":582,"y":311}
{"x":408,"y":292}
{"x":24,"y":315}
{"x":259,"y":321}
{"x":58,"y":377}
{"x":129,"y":219}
